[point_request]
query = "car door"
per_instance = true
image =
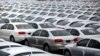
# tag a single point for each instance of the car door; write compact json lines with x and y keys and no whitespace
{"x":93,"y":48}
{"x":33,"y":40}
{"x":3,"y":31}
{"x":78,"y":49}
{"x":43,"y":38}
{"x":10,"y":30}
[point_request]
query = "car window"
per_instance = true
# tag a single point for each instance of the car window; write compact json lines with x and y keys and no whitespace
{"x":62,"y":22}
{"x":37,"y":33}
{"x":75,"y":32}
{"x":90,"y":32}
{"x":72,"y":16}
{"x":61,"y":15}
{"x":51,"y":20}
{"x":52,"y":14}
{"x":43,"y":13}
{"x":83,"y":42}
{"x":10,"y":27}
{"x":17,"y":20}
{"x":39,"y":19}
{"x":5,"y":20}
{"x":60,"y":33}
{"x":47,"y":25}
{"x":4,"y":14}
{"x":76,"y":24}
{"x":34,"y":25}
{"x":12,"y":15}
{"x":24,"y":26}
{"x":44,"y":33}
{"x":83,"y":17}
{"x":4,"y":26}
{"x":94,"y":18}
{"x":21,"y":16}
{"x":29,"y":18}
{"x":94,"y":44}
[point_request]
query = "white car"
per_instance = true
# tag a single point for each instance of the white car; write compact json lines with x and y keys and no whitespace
{"x":12,"y":20}
{"x":85,"y":47}
{"x":24,"y":51}
{"x":83,"y":32}
{"x":7,"y":44}
{"x":50,"y":39}
{"x":16,"y":31}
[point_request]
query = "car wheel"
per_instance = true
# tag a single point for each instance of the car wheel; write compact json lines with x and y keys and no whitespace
{"x":67,"y":53}
{"x":12,"y":39}
{"x":26,"y":42}
{"x":46,"y":48}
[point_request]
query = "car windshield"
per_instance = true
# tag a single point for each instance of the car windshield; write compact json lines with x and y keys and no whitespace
{"x":8,"y":46}
{"x":29,"y":18}
{"x":17,"y":20}
{"x":90,"y":32}
{"x":62,"y":22}
{"x":76,"y":24}
{"x":29,"y":53}
{"x":51,"y":20}
{"x":60,"y":33}
{"x":39,"y":19}
{"x":24,"y":26}
{"x":47,"y":25}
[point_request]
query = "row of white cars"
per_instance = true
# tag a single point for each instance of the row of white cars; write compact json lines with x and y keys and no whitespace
{"x":51,"y":33}
{"x":14,"y":49}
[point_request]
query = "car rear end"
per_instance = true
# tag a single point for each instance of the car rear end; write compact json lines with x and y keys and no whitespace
{"x":23,"y":31}
{"x":61,"y":38}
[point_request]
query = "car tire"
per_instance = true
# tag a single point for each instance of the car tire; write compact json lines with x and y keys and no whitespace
{"x":26,"y":42}
{"x":46,"y":48}
{"x":12,"y":39}
{"x":67,"y":53}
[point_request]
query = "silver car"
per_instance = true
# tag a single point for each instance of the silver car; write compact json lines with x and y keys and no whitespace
{"x":51,"y":39}
{"x":85,"y":47}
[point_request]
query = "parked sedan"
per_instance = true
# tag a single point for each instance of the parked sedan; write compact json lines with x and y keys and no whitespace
{"x":24,"y":51}
{"x":16,"y":32}
{"x":85,"y":47}
{"x":84,"y":32}
{"x":50,"y":39}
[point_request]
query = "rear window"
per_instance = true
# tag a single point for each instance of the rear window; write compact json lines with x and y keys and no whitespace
{"x":17,"y":20}
{"x":62,"y":22}
{"x":47,"y":25}
{"x":76,"y":24}
{"x":24,"y":26}
{"x":39,"y":19}
{"x":90,"y":32}
{"x":29,"y":18}
{"x":60,"y":33}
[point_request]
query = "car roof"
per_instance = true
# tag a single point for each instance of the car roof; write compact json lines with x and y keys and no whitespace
{"x":51,"y":29}
{"x":17,"y":50}
{"x":79,"y":28}
{"x":8,"y":43}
